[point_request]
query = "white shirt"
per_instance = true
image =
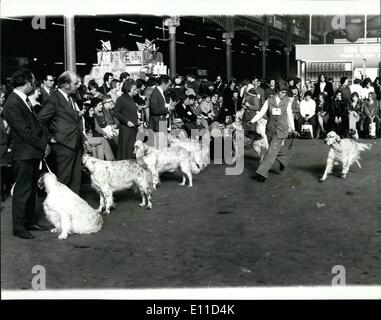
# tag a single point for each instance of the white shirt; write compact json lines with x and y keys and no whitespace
{"x":307,"y":107}
{"x":365,"y":92}
{"x":23,"y":96}
{"x":322,"y":86}
{"x":355,"y":88}
{"x":265,"y":107}
{"x":162,"y":93}
{"x":69,"y":99}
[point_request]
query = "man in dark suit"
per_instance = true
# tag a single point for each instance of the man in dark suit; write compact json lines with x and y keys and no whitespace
{"x":219,"y":86}
{"x":158,"y":106}
{"x":62,"y":123}
{"x":255,"y":83}
{"x":185,"y":112}
{"x":29,"y":146}
{"x":47,"y":88}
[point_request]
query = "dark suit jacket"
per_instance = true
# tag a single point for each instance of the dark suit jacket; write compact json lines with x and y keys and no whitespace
{"x":185,"y":114}
{"x":157,"y":103}
{"x":3,"y":139}
{"x":44,"y":95}
{"x":27,"y":135}
{"x":60,"y":121}
{"x":104,"y":89}
{"x":328,"y":89}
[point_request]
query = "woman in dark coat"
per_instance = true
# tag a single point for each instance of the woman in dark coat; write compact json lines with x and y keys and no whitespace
{"x":126,"y":111}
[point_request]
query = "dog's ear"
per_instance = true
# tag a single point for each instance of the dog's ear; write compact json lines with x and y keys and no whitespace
{"x":145,"y":150}
{"x":40,"y":182}
{"x":338,"y":139}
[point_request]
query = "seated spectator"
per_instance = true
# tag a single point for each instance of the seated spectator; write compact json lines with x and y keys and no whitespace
{"x":216,"y":106}
{"x":114,"y":93}
{"x":377,"y":88}
{"x":345,"y":90}
{"x":354,"y":117}
{"x":322,"y":112}
{"x":307,"y":111}
{"x":206,"y":109}
{"x":5,"y":150}
{"x":107,"y":79}
{"x":337,"y":114}
{"x":185,"y":112}
{"x":373,"y":113}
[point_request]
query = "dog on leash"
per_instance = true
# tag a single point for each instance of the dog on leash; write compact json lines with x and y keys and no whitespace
{"x":344,"y":151}
{"x":110,"y":176}
{"x":67,"y":211}
{"x":169,"y":159}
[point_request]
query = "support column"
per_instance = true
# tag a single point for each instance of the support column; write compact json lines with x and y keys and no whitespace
{"x":263,"y":45}
{"x":228,"y":36}
{"x":172,"y":23}
{"x":287,"y":51}
{"x":70,"y":56}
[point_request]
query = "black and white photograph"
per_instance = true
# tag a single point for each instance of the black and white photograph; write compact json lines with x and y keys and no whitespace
{"x":213,"y":149}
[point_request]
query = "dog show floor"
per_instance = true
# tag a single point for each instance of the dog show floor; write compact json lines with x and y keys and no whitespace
{"x":226,"y":231}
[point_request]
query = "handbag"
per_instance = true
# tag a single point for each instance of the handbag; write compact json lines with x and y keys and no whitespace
{"x":306,"y":131}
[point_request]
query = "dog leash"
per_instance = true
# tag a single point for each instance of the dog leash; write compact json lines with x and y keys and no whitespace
{"x":46,"y":164}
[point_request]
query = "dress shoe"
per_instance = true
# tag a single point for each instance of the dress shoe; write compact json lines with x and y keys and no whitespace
{"x":36,"y":227}
{"x":23,"y":234}
{"x":259,"y":178}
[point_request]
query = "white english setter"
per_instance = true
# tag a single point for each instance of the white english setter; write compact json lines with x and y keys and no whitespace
{"x":67,"y":211}
{"x":169,"y":159}
{"x":110,"y":176}
{"x":344,"y":151}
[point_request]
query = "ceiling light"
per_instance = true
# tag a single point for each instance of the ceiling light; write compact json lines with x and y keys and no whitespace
{"x":80,"y":63}
{"x":58,"y":24}
{"x":135,"y":35}
{"x":211,"y":38}
{"x":101,"y":30}
{"x":127,"y":21}
{"x":180,"y":42}
{"x":189,"y":34}
{"x":14,"y":19}
{"x":160,"y":28}
{"x":58,"y":62}
{"x":244,"y":44}
{"x":217,"y":48}
{"x":201,"y":46}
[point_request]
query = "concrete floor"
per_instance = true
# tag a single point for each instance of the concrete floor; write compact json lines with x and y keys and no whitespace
{"x":225,"y":231}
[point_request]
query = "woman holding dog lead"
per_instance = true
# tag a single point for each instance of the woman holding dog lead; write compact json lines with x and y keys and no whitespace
{"x":126,"y":111}
{"x":372,"y":112}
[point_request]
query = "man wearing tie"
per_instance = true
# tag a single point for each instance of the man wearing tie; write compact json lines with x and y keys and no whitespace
{"x":47,"y":88}
{"x":62,"y":123}
{"x":159,"y":108}
{"x":29,"y":146}
{"x":280,"y":123}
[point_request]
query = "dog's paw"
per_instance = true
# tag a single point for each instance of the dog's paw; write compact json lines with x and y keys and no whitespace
{"x":62,"y":236}
{"x":106,"y":212}
{"x":141,"y":204}
{"x":54,"y":230}
{"x":343,"y":175}
{"x":190,"y":186}
{"x":149,"y":206}
{"x":181,"y":184}
{"x":321,"y":180}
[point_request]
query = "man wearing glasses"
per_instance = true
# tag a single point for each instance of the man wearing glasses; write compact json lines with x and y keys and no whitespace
{"x":280,"y":123}
{"x":47,"y":88}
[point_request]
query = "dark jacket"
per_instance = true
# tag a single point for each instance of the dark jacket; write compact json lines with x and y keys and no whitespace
{"x":328,"y":89}
{"x":157,"y":103}
{"x":186,"y":114}
{"x":61,"y":122}
{"x":27,"y":135}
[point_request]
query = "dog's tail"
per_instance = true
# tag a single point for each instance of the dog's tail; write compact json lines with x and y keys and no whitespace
{"x":364,"y":146}
{"x":195,"y":168}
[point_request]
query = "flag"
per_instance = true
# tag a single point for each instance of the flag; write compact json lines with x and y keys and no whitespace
{"x":106,"y":45}
{"x":141,"y":46}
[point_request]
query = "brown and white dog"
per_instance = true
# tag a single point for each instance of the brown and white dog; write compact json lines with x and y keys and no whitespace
{"x":344,"y":151}
{"x":169,"y":159}
{"x":110,"y":176}
{"x":67,"y":211}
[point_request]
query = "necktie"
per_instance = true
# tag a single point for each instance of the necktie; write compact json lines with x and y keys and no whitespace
{"x":29,"y":104}
{"x":72,"y":104}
